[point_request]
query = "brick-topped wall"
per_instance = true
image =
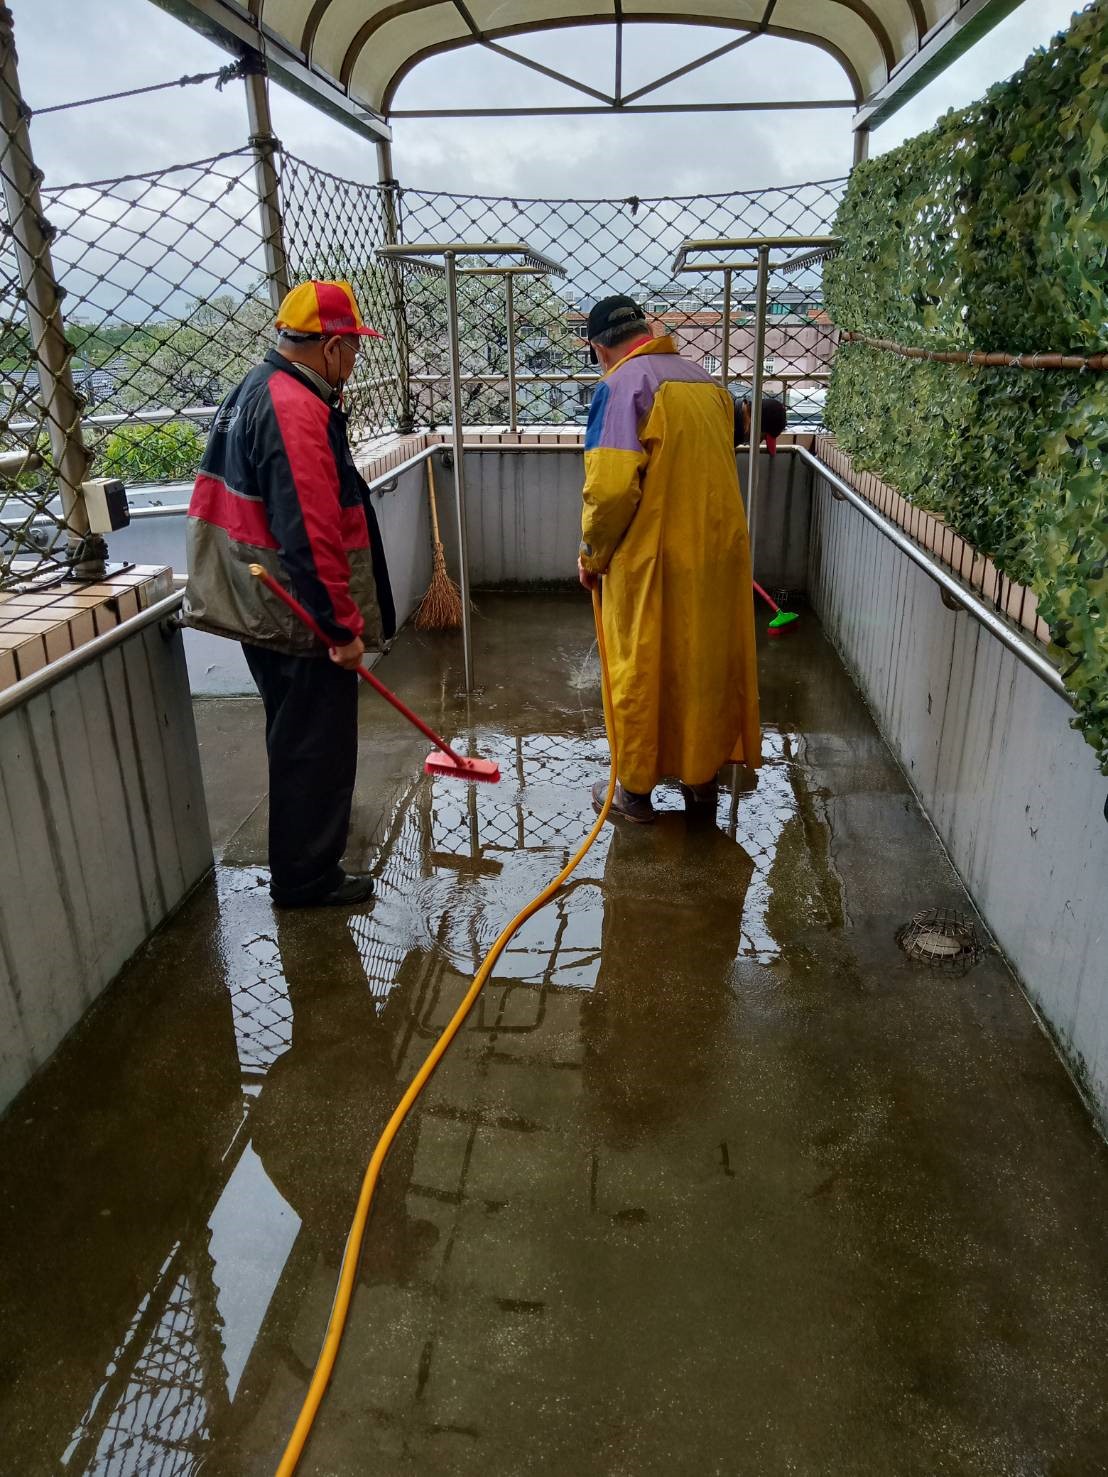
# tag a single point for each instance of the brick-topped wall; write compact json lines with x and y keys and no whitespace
{"x":39,"y":626}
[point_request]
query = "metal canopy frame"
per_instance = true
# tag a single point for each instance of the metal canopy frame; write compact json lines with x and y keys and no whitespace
{"x":895,"y":60}
{"x":939,"y":49}
{"x":231,"y":26}
{"x":423,"y":254}
{"x":812,"y":249}
{"x":507,"y":259}
{"x":617,"y":100}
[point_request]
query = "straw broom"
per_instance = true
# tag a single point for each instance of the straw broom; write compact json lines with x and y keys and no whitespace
{"x":441,"y":607}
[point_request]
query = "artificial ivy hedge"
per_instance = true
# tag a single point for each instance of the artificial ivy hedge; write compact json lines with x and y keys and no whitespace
{"x":991,"y":232}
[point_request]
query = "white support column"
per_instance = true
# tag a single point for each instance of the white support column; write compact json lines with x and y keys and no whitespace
{"x":513,"y":394}
{"x":726,"y":366}
{"x":458,"y":439}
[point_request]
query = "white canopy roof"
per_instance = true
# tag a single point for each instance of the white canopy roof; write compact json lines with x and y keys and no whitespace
{"x":353,"y":54}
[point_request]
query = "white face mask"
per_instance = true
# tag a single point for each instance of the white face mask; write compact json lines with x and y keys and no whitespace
{"x":333,"y":355}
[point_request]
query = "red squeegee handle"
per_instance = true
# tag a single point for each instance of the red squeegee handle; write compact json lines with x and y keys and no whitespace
{"x":390,"y":697}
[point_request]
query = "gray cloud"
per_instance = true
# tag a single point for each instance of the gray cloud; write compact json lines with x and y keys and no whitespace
{"x":69,"y":51}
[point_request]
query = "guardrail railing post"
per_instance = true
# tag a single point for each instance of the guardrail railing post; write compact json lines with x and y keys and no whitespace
{"x":513,"y":394}
{"x":31,"y":234}
{"x":757,"y":378}
{"x":394,"y":273}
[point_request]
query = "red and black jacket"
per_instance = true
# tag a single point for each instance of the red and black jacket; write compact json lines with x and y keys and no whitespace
{"x":278,"y":486}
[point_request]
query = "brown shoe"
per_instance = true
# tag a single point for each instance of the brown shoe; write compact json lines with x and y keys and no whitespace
{"x":635,"y":808}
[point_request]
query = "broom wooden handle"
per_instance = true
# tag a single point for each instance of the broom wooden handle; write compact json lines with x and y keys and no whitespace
{"x":431,"y":500}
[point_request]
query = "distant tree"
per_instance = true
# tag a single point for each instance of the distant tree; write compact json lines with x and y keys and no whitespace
{"x":545,"y":343}
{"x":139,"y":454}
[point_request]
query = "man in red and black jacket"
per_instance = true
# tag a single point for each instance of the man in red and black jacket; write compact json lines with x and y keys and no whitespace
{"x":278,"y":487}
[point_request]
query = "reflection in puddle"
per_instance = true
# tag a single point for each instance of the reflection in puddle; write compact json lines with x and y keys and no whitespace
{"x":252,"y":1233}
{"x":180,"y":1362}
{"x":152,"y":1413}
{"x":463,"y":858}
{"x":331,"y":1015}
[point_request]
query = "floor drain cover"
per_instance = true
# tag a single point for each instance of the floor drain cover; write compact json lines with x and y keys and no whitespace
{"x":942,"y":939}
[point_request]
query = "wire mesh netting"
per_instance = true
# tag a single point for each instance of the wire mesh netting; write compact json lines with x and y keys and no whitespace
{"x":36,"y":392}
{"x":166,"y":306}
{"x":333,"y":228}
{"x":612,"y":246}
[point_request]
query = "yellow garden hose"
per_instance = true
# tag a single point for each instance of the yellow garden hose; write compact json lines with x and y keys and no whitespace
{"x":336,"y":1323}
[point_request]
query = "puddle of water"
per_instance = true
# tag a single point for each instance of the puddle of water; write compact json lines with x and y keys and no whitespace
{"x":330,"y":1014}
{"x":672,"y":1115}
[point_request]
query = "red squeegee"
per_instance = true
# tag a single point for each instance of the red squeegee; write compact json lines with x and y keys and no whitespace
{"x":444,"y":761}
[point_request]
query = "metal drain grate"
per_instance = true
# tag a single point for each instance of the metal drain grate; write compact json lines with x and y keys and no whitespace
{"x":941,"y":938}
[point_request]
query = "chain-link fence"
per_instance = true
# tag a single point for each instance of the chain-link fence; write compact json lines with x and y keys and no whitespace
{"x":611,"y":246}
{"x":166,"y":306}
{"x":332,"y":229}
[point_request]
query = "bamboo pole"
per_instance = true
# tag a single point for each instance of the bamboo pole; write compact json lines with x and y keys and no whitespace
{"x":982,"y":359}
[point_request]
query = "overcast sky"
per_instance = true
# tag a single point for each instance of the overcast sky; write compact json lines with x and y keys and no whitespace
{"x":72,"y":48}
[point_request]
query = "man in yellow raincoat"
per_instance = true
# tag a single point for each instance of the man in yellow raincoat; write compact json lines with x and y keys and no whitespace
{"x":663,"y":523}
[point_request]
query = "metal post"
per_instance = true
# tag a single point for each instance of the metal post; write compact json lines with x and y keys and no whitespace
{"x":390,"y":203}
{"x":510,"y":299}
{"x":861,"y":145}
{"x":756,"y":395}
{"x":474,"y":828}
{"x":31,"y":234}
{"x":458,"y":441}
{"x":726,"y":327}
{"x":266,"y":147}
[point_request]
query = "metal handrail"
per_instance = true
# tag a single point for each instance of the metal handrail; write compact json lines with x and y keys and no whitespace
{"x":995,"y":624}
{"x":45,"y":678}
{"x":162,"y":415}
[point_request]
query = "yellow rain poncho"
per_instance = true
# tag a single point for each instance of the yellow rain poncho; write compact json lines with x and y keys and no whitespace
{"x":663,"y":521}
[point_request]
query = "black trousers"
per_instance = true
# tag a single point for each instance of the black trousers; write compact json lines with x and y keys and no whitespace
{"x":311,"y":736}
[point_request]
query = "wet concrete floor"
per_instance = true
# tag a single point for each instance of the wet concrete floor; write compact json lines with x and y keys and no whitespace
{"x":715,"y":1180}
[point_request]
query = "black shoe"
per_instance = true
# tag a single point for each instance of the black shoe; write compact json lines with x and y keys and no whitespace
{"x":701,"y":800}
{"x":353,"y":889}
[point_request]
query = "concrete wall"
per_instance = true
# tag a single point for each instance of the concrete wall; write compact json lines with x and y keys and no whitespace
{"x":524,"y":518}
{"x":402,"y":513}
{"x":1014,"y":793}
{"x":523,"y":512}
{"x":104,"y":831}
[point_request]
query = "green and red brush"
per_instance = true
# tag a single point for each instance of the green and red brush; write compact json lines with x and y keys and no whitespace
{"x":444,"y":761}
{"x":782,"y":619}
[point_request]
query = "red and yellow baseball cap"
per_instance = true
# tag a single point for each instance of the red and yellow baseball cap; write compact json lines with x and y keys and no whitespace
{"x":322,"y":309}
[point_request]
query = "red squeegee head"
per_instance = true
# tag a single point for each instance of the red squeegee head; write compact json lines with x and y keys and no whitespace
{"x":485,"y":771}
{"x":444,"y":760}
